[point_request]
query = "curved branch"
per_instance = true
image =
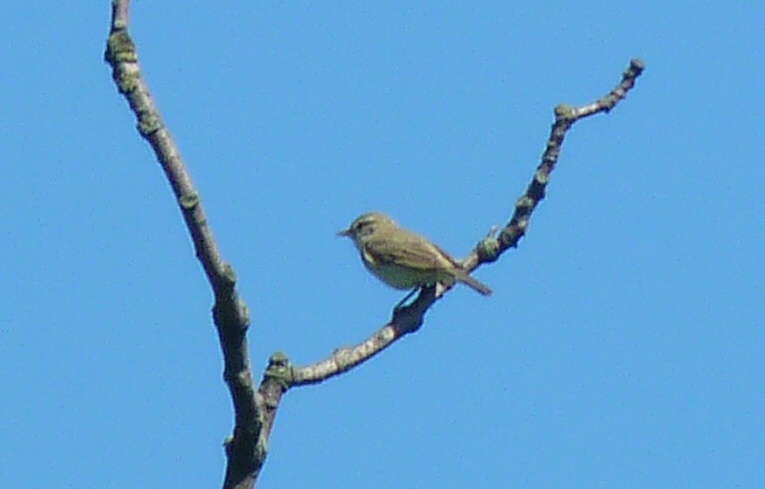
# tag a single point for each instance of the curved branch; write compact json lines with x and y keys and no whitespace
{"x":408,"y":319}
{"x":245,"y":449}
{"x":490,"y":249}
{"x":405,"y":320}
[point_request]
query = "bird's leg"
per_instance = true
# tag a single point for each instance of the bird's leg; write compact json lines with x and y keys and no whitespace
{"x":401,"y":304}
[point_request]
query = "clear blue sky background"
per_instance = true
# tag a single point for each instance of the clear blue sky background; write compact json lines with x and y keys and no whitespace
{"x":624,"y":345}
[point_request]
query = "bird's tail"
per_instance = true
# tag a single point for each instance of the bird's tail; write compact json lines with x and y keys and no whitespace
{"x":474,"y":284}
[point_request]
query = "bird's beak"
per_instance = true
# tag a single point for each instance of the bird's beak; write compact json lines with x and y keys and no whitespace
{"x":344,"y":233}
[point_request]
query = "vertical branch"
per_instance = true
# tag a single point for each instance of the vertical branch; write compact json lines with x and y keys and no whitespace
{"x":245,"y":449}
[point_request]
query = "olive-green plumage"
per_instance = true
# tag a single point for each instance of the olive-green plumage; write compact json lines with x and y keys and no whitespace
{"x":403,"y":259}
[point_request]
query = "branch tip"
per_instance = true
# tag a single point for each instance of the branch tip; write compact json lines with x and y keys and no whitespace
{"x":637,"y":65}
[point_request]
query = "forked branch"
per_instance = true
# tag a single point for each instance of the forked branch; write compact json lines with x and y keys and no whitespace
{"x":255,"y":410}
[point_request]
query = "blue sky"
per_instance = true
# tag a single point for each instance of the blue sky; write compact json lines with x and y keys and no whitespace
{"x":624,"y":345}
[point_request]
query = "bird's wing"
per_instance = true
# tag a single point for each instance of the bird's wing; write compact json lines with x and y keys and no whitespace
{"x":409,"y":250}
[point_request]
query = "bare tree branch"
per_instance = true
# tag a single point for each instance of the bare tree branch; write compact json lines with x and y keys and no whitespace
{"x":245,"y":449}
{"x":409,"y":319}
{"x":565,"y":117}
{"x":255,"y":410}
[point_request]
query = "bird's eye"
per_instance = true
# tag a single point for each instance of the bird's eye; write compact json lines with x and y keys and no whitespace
{"x":364,"y":228}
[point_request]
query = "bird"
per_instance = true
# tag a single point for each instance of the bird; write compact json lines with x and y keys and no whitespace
{"x":403,"y":259}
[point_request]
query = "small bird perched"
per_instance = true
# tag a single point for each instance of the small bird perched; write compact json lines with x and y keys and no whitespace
{"x":403,"y":259}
